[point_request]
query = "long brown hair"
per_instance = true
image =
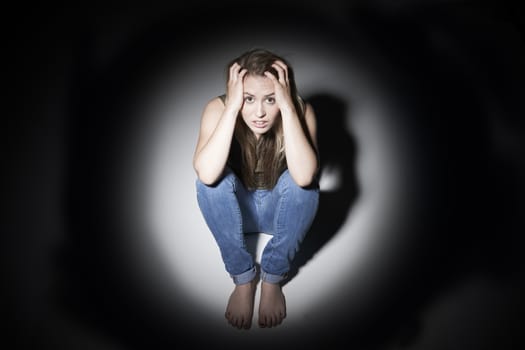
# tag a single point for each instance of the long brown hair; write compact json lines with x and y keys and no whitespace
{"x":269,"y":148}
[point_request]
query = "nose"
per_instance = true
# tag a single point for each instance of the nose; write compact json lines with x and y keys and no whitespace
{"x":260,"y":111}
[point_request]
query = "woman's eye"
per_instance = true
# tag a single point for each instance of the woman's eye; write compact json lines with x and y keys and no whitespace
{"x":270,"y":100}
{"x":248,"y":99}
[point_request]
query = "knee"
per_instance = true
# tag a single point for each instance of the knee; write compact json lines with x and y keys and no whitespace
{"x":287,"y":185}
{"x":227,"y":183}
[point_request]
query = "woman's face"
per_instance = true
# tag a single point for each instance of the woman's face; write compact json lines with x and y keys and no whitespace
{"x":259,"y":110}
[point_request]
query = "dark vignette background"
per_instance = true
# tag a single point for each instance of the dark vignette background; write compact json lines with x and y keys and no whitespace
{"x":463,"y":62}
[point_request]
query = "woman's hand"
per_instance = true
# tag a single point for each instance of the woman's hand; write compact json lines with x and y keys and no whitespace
{"x":235,"y":93}
{"x":283,"y":94}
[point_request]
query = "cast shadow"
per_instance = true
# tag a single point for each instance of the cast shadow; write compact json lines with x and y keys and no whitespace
{"x":339,"y":189}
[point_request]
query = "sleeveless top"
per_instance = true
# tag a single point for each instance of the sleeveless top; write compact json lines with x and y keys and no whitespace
{"x":235,"y":164}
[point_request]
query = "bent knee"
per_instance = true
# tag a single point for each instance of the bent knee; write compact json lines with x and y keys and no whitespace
{"x":227,"y":182}
{"x":287,"y":184}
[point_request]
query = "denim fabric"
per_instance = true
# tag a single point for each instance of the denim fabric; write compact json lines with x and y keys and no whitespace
{"x":230,"y":210}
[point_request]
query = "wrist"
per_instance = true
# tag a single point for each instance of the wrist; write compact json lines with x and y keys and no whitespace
{"x":233,"y":105}
{"x":232,"y":110}
{"x":288,"y":111}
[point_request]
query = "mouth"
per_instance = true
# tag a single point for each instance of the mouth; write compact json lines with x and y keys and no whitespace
{"x":259,"y":124}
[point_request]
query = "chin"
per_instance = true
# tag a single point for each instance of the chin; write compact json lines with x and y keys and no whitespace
{"x":258,"y":133}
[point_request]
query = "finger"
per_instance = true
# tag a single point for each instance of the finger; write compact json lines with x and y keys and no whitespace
{"x":281,"y":64}
{"x":284,"y":68}
{"x":242,"y":73}
{"x":280,"y":72}
{"x":234,"y":70}
{"x":271,"y":76}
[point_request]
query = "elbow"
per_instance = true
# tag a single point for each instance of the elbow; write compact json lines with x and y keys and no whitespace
{"x":205,"y":178}
{"x":305,"y":176}
{"x":304,"y":180}
{"x":207,"y":174}
{"x":207,"y":182}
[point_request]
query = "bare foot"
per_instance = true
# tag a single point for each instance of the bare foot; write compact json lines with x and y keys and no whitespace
{"x":272,"y":307}
{"x":239,"y":311}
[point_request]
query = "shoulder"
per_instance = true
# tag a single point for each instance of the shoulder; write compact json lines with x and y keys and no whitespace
{"x":311,"y":121}
{"x":213,"y":108}
{"x":211,"y":114}
{"x":306,"y":108}
{"x":214,"y":104}
{"x":309,"y":113}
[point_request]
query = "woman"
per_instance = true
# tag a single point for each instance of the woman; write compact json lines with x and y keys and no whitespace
{"x":256,"y":161}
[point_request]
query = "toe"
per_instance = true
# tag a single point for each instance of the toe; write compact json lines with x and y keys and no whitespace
{"x":246,"y":324}
{"x":270,"y":322}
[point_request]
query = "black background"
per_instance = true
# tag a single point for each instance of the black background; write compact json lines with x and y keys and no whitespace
{"x":463,"y":64}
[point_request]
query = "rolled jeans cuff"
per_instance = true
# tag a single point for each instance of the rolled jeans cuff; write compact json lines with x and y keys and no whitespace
{"x":245,"y":277}
{"x":271,"y":278}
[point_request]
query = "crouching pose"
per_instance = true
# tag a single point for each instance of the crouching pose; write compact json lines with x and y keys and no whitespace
{"x":257,"y":163}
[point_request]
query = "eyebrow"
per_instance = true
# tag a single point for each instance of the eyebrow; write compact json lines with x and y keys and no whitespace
{"x":273,"y":93}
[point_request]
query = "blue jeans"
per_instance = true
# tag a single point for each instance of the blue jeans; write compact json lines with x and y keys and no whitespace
{"x":230,"y":210}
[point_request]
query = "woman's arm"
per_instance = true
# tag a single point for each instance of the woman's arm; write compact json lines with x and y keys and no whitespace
{"x":300,"y":141}
{"x":213,"y":145}
{"x":301,"y":154}
{"x":216,"y":130}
